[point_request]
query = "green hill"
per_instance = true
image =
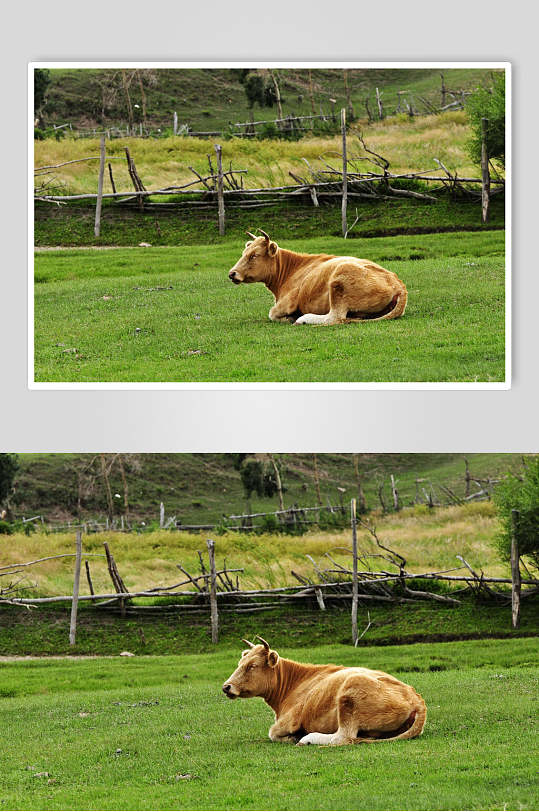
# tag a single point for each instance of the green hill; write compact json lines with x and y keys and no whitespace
{"x":209,"y":99}
{"x":200,"y":488}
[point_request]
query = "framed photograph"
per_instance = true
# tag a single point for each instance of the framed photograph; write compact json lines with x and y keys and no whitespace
{"x":368,"y":203}
{"x":171,"y":640}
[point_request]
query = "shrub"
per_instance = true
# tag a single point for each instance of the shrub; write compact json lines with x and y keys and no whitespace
{"x":6,"y":528}
{"x":486,"y":103}
{"x":522,"y":494}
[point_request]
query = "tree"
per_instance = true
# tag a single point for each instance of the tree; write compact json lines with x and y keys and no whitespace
{"x":488,"y":103}
{"x":276,"y":479}
{"x":9,"y":465}
{"x":519,"y":493}
{"x":257,"y":476}
{"x":261,"y":87}
{"x":42,"y":80}
{"x":361,"y":501}
{"x":316,"y":478}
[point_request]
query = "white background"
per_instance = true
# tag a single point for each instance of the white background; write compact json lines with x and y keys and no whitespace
{"x":292,"y":420}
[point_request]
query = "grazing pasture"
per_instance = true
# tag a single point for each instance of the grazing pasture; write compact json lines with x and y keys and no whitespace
{"x":157,"y":733}
{"x":170,"y":314}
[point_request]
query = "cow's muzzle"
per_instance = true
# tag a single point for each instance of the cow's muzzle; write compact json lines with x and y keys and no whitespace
{"x":228,"y":690}
{"x":234,"y":278}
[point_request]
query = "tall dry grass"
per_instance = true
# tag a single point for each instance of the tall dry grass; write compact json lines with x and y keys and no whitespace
{"x":428,"y":540}
{"x":409,"y":144}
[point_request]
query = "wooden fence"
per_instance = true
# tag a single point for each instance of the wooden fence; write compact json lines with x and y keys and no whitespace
{"x":217,"y":591}
{"x":225,"y":187}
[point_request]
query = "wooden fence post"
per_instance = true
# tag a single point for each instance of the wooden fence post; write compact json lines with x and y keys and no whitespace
{"x":344,"y":174}
{"x":161,"y":515}
{"x":220,"y":196}
{"x":89,"y":578}
{"x":76,"y":582}
{"x":175,"y":124}
{"x":213,"y":593}
{"x":97,"y":227}
{"x":112,"y":179}
{"x":115,"y":577}
{"x":485,"y":174}
{"x":515,"y":571}
{"x":354,"y":571}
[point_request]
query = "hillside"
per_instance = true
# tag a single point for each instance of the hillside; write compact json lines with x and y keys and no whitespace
{"x":200,"y":488}
{"x":209,"y":99}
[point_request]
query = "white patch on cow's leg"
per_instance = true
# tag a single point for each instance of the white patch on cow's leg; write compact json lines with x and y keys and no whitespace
{"x":335,"y":316}
{"x":313,"y":318}
{"x":316,"y":738}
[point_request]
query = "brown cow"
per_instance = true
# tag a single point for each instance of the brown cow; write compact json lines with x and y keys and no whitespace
{"x":320,"y":288}
{"x":327,"y":704}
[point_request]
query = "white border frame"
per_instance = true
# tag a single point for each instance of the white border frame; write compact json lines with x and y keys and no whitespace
{"x":347,"y":386}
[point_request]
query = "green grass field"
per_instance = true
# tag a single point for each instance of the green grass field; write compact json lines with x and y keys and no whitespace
{"x":45,"y":630}
{"x":170,"y":314}
{"x":73,"y":225}
{"x":156,"y":733}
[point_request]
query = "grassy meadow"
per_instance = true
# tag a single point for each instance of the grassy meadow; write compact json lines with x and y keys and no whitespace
{"x":137,"y":315}
{"x":157,"y":733}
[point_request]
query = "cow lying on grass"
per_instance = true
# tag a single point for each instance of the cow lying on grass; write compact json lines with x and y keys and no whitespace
{"x":327,"y":704}
{"x":320,"y":288}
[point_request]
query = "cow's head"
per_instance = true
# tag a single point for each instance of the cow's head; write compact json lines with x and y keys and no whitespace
{"x":257,"y":262}
{"x":255,"y":672}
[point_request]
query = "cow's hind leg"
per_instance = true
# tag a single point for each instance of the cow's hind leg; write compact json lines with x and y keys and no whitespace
{"x":362,"y":712}
{"x":338,"y":307}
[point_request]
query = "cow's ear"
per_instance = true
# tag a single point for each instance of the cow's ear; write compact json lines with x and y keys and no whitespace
{"x":248,"y":243}
{"x":243,"y":653}
{"x":272,"y":248}
{"x":273,"y":659}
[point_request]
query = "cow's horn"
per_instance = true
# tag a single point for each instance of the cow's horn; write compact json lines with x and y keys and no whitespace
{"x":251,"y":645}
{"x":266,"y":236}
{"x":251,"y":235}
{"x":266,"y":645}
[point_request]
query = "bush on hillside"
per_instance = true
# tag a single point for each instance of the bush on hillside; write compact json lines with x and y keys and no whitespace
{"x":520,"y":493}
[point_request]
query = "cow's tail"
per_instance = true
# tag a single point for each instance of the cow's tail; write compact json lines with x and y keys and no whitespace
{"x":410,"y":729}
{"x":399,"y":308}
{"x":395,"y":309}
